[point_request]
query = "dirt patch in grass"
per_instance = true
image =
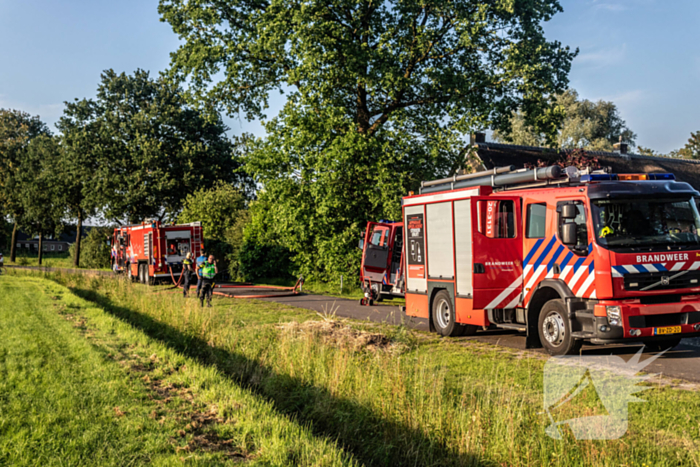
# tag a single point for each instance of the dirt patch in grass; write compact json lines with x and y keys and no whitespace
{"x":340,"y":334}
{"x":196,"y":421}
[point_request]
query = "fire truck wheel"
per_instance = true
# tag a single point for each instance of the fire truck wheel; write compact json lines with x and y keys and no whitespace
{"x":444,"y":316}
{"x":658,"y":346}
{"x":555,"y":330}
{"x":376,"y":293}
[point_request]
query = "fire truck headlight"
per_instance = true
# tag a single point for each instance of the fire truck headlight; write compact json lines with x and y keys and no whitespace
{"x":614,"y":315}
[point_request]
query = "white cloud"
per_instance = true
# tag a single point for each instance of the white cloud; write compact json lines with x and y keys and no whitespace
{"x":610,"y":6}
{"x":601,"y":57}
{"x":629,"y":99}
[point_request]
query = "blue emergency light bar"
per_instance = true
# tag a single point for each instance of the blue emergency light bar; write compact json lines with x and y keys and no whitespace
{"x":625,"y":177}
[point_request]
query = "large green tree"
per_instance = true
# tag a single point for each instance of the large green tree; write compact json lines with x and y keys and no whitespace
{"x":79,"y":168}
{"x":17,"y":129}
{"x":39,"y":190}
{"x":594,"y":126}
{"x":146,"y":148}
{"x":379,"y":96}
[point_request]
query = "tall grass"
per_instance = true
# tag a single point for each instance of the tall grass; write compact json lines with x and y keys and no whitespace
{"x":419,"y":401}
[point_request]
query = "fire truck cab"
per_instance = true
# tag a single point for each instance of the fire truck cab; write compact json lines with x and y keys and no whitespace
{"x":151,"y":251}
{"x":381,"y":272}
{"x":563,"y":256}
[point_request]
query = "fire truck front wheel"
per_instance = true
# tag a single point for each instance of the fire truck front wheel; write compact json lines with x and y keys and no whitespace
{"x":444,"y":316}
{"x":555,"y":330}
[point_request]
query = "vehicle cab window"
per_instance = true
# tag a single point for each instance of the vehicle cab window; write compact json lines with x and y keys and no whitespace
{"x":622,"y":224}
{"x":497,"y":218}
{"x":379,"y":237}
{"x":573,"y":230}
{"x":536,"y":220}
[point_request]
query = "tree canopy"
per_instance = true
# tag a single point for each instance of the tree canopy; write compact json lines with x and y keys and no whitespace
{"x":217,"y":208}
{"x":380,"y":95}
{"x":145,"y":147}
{"x":39,"y":190}
{"x":595,"y":126}
{"x":17,"y":130}
{"x":691,"y":150}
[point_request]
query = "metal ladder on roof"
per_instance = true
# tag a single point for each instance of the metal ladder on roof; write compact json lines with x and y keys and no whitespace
{"x":197,"y":242}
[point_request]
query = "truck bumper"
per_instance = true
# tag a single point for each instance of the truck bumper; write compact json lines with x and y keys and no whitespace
{"x":647,"y":323}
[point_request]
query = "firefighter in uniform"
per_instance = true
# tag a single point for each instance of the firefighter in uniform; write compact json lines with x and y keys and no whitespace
{"x":207,"y":272}
{"x":187,"y":271}
{"x":199,"y":261}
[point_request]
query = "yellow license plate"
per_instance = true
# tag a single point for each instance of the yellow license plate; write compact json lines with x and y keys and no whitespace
{"x":667,"y":330}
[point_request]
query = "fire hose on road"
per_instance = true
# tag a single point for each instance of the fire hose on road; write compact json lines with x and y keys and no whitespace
{"x":248,"y":290}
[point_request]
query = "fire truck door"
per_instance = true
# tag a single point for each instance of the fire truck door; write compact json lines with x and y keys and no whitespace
{"x":396,"y":254}
{"x":498,"y":252}
{"x":148,"y":247}
{"x":377,"y":250}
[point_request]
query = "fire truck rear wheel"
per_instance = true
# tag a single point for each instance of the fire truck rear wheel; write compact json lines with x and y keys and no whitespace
{"x":555,"y":330}
{"x":444,"y":316}
{"x":143,"y":273}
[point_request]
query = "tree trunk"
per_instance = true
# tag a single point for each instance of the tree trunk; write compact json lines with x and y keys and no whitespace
{"x":13,"y":246}
{"x":78,"y":236}
{"x":41,"y":247}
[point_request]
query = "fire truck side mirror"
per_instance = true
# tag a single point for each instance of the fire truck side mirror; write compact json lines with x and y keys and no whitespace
{"x":569,"y":234}
{"x":569,"y":211}
{"x":361,"y":244}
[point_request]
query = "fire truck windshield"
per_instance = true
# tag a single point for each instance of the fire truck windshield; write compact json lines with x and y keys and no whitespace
{"x":646,"y":223}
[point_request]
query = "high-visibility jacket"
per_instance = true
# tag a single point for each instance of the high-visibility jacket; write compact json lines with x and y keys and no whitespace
{"x":187,"y":264}
{"x":208,"y":270}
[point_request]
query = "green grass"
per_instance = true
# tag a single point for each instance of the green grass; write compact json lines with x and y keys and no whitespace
{"x":80,"y":387}
{"x":418,"y":400}
{"x":351,"y":290}
{"x":51,"y":260}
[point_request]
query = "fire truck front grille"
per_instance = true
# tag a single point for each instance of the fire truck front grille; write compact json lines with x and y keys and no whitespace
{"x":662,"y":280}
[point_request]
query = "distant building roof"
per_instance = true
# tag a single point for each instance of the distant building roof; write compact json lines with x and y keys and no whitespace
{"x":67,"y":236}
{"x":498,"y":155}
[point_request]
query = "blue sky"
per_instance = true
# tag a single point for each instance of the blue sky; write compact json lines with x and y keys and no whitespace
{"x":644,"y":55}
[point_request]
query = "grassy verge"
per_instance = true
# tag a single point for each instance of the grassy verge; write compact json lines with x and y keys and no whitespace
{"x":391,"y":396}
{"x":350,"y":289}
{"x":81,"y":387}
{"x":51,"y":260}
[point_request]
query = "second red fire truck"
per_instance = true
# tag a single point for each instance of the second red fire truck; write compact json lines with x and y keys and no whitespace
{"x":151,"y":251}
{"x":562,"y":255}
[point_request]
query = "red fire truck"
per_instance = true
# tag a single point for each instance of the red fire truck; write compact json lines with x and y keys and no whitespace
{"x":565,"y":256}
{"x":150,"y":251}
{"x":381,"y":272}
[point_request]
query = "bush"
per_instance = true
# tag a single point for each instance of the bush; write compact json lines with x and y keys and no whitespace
{"x":258,"y":261}
{"x":94,"y":249}
{"x":261,"y":255}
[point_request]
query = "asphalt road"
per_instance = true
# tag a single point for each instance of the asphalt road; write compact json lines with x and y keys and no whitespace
{"x":683,"y":362}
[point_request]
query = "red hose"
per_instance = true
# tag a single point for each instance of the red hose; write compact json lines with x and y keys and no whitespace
{"x":291,"y":291}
